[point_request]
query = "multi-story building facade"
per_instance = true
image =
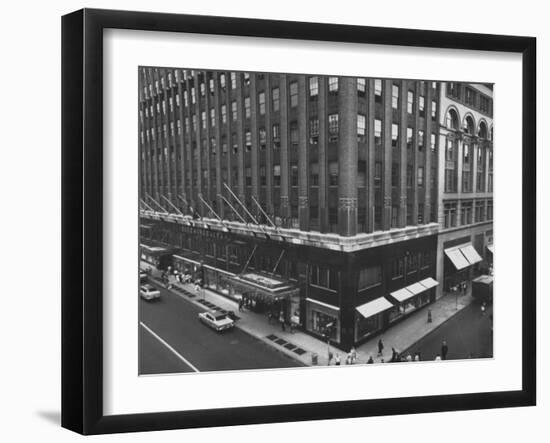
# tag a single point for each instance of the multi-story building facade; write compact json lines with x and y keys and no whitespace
{"x":466,"y":191}
{"x":315,"y":196}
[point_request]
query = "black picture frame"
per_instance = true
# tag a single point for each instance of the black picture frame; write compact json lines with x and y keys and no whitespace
{"x":82,"y":218}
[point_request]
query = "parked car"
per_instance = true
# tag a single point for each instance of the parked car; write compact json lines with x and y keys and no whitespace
{"x":216,"y":320}
{"x":149,"y":292}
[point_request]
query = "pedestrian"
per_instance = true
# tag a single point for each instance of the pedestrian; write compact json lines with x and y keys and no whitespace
{"x":348,"y":359}
{"x":417,"y":356}
{"x":394,"y":355}
{"x":330,"y":356}
{"x":240,"y":305}
{"x":337,"y":360}
{"x":370,"y":361}
{"x":380,"y":347}
{"x":483,"y":306}
{"x":409,"y":357}
{"x":197,"y":287}
{"x":353,"y":354}
{"x":282,"y":321}
{"x":437,"y":357}
{"x":429,"y":315}
{"x":444,"y":350}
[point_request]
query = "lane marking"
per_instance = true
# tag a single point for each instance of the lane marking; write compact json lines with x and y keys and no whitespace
{"x":170,"y":348}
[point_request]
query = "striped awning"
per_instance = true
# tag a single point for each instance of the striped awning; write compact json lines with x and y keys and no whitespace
{"x":429,"y":283}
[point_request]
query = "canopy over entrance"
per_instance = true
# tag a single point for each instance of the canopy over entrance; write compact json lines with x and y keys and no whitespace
{"x":264,"y":287}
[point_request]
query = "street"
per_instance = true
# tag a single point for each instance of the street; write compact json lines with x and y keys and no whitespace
{"x":173,"y":340}
{"x":468,"y":335}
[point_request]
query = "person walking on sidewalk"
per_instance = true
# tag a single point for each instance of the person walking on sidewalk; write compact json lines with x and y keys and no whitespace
{"x":282,"y":321}
{"x":444,"y":350}
{"x":380,"y":347}
{"x":370,"y":361}
{"x":429,"y":315}
{"x":337,"y":360}
{"x":483,"y":306}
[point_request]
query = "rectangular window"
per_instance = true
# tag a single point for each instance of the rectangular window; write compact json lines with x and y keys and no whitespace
{"x":247,"y":107}
{"x":333,"y":173}
{"x":378,"y":90}
{"x":421,"y":106}
{"x":409,"y":138}
{"x":275,"y":98}
{"x":248,"y":176}
{"x":263,"y":179}
{"x":248,"y":140}
{"x":377,"y":174}
{"x":261,"y":102}
{"x":466,"y":213}
{"x":203,"y":119}
{"x":233,"y":80}
{"x":333,"y":84}
{"x":314,"y":174}
{"x":420,"y":140}
{"x":470,"y":96}
{"x":394,"y":216}
{"x":434,"y":110}
{"x":361,"y":174}
{"x":368,"y":277}
{"x":395,"y":96}
{"x":293,"y":94}
{"x":361,"y":128}
{"x":212,"y":117}
{"x":222,"y":81}
{"x":234,"y":110}
{"x":490,"y":210}
{"x":377,"y":132}
{"x":313,"y":86}
{"x":420,"y":176}
{"x":398,"y":266}
{"x":333,"y":127}
{"x":276,"y":136}
{"x":449,"y":215}
{"x":294,"y":175}
{"x":294,"y":135}
{"x":410,"y":102}
{"x":246,"y":78}
{"x":409,"y":176}
{"x":263,"y":138}
{"x":420,"y":216}
{"x":361,"y":86}
{"x":433,"y":142}
{"x":395,"y":175}
{"x":313,"y":131}
{"x":394,"y":135}
{"x":277,"y":175}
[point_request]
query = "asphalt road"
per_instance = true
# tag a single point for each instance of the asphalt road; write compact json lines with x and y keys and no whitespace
{"x":173,"y":340}
{"x":468,"y":335}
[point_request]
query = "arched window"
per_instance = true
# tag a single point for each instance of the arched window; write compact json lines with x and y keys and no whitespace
{"x":469,"y":125}
{"x":482,"y":130}
{"x":452,"y":119}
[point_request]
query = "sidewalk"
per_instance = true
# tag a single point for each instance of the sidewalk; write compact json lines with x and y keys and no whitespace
{"x":301,"y":346}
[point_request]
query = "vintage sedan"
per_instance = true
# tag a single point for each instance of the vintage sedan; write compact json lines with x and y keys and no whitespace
{"x":149,"y":292}
{"x":216,"y":320}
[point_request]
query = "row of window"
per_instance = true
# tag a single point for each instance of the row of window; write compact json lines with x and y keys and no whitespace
{"x":470,"y":212}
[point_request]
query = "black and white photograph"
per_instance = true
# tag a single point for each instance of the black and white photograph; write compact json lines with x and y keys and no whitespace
{"x":298,"y":220}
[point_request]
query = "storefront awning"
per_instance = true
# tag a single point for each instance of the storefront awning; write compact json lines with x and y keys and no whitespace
{"x":491,"y":249}
{"x":457,"y":258}
{"x":416,"y":288}
{"x":402,"y":294}
{"x":471,"y":254}
{"x":320,"y":303}
{"x":374,"y":307}
{"x":429,"y":283}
